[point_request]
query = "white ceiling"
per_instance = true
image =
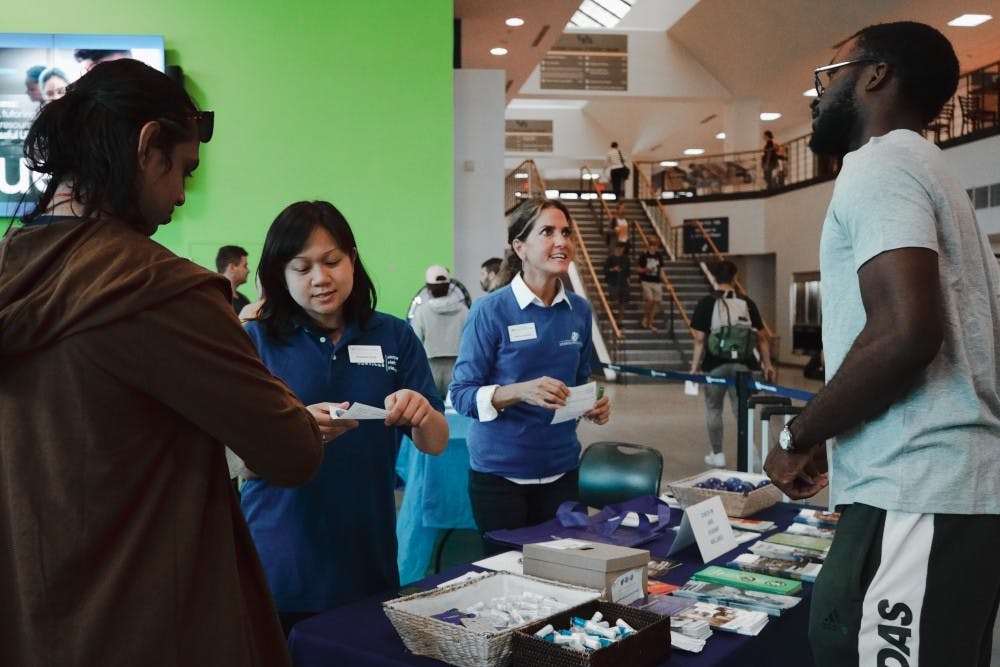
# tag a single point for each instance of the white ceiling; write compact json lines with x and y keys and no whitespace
{"x":763,"y":49}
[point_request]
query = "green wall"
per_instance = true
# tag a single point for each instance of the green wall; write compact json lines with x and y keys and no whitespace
{"x":345,"y":101}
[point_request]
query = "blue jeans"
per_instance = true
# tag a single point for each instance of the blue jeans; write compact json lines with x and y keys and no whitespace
{"x":715,"y":394}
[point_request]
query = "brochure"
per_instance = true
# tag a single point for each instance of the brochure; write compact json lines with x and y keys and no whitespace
{"x":776,"y":567}
{"x":769,"y":603}
{"x":748,"y":580}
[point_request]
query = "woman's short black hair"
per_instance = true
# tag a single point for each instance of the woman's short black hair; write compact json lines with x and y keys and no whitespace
{"x":89,"y":138}
{"x":285,"y":239}
{"x":724,"y":271}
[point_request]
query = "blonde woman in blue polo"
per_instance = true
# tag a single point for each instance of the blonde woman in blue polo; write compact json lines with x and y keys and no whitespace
{"x":523,"y":346}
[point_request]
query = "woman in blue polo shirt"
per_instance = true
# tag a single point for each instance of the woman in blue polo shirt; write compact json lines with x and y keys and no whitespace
{"x":523,"y":346}
{"x":332,"y":540}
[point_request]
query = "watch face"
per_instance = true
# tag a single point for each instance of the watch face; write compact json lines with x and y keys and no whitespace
{"x":785,"y":439}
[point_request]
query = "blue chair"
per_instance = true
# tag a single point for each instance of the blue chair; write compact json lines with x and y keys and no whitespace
{"x":611,"y":472}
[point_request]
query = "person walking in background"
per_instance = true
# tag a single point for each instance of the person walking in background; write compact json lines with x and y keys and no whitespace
{"x":619,"y":229}
{"x":123,"y":374}
{"x":617,"y":170}
{"x":438,"y":324}
{"x":231,"y":262}
{"x":772,"y":161}
{"x":911,"y":338}
{"x":728,"y":338}
{"x":650,"y":263}
{"x":333,"y":540}
{"x":522,"y":349}
{"x":616,"y":275}
{"x":488,"y":273}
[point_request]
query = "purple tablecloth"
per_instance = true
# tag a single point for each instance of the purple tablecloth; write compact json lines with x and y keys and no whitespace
{"x":359,"y":634}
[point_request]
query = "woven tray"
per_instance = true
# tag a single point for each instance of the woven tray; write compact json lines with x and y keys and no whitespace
{"x":736,"y":504}
{"x":648,"y":646}
{"x":456,"y":644}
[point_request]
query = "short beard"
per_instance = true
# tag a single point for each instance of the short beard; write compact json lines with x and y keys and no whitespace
{"x":833,"y":132}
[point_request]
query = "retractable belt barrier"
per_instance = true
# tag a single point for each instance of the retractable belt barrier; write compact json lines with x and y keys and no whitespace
{"x":753,"y":385}
{"x":745,"y":385}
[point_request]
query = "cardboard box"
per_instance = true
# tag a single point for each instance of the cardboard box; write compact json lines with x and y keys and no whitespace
{"x":618,"y":572}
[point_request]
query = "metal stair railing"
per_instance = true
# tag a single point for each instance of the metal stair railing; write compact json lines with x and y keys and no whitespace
{"x":676,"y":238}
{"x":522,"y":182}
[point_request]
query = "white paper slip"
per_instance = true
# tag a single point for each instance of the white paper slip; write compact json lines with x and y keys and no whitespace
{"x":631,"y":519}
{"x":358,"y":411}
{"x":508,"y":561}
{"x":690,"y":388}
{"x":566,"y":543}
{"x":581,"y":401}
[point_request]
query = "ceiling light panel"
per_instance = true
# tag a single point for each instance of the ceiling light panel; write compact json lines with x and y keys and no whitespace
{"x":770,"y":115}
{"x":969,"y":20}
{"x":514,"y":22}
{"x":600,"y":13}
{"x":498,"y":51}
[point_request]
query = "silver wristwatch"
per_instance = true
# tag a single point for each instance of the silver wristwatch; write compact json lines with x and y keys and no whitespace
{"x":785,"y":439}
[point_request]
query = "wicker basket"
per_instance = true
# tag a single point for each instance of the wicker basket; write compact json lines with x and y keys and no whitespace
{"x":736,"y":504}
{"x":650,"y":645}
{"x":456,"y":644}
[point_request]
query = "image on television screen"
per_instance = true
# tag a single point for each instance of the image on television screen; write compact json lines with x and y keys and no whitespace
{"x":35,"y":70}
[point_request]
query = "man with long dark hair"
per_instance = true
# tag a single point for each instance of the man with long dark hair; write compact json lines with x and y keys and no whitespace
{"x":123,"y":372}
{"x":911,"y":334}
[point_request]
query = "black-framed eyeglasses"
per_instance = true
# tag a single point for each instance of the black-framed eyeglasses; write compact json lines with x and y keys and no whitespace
{"x":830,"y":69}
{"x":206,"y":125}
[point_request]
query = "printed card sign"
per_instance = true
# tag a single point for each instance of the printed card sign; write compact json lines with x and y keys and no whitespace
{"x":707,"y":524}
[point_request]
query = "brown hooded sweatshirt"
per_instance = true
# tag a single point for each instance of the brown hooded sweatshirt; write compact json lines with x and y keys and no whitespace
{"x":123,"y":370}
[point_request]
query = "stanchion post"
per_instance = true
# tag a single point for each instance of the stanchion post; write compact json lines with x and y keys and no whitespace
{"x":752,"y":403}
{"x":742,"y":423}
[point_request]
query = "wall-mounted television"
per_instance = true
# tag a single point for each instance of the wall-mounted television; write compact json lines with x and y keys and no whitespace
{"x":34,"y":69}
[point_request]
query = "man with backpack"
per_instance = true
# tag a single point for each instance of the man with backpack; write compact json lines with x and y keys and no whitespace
{"x":726,"y":325}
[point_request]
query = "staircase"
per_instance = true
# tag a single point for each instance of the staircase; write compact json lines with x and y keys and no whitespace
{"x":640,"y":347}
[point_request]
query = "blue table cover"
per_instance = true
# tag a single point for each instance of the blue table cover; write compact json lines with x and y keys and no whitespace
{"x":435,"y":496}
{"x":360,"y":634}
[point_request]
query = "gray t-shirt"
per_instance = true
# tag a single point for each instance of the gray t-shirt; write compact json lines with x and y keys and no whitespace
{"x":937,"y":449}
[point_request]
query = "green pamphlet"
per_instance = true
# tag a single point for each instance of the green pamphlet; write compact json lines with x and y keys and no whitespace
{"x":801,"y":541}
{"x":751,"y":581}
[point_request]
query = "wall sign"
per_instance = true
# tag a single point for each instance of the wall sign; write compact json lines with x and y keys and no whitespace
{"x":716,"y":228}
{"x":528,"y":136}
{"x":581,"y":61}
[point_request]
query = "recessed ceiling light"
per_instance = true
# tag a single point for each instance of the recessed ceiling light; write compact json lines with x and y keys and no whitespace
{"x":498,"y":51}
{"x":514,"y":22}
{"x":720,"y":135}
{"x":693,"y":151}
{"x":969,"y":20}
{"x":668,"y":163}
{"x":810,"y":92}
{"x":770,"y":115}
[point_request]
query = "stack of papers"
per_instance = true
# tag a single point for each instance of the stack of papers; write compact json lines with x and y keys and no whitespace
{"x":771,"y":604}
{"x":777,"y":567}
{"x":695,"y":628}
{"x":728,"y":619}
{"x":682,"y":642}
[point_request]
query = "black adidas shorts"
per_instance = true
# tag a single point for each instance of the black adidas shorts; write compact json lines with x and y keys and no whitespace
{"x":902,"y":590}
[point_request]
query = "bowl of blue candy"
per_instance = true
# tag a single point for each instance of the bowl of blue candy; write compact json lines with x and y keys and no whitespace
{"x":742,"y":493}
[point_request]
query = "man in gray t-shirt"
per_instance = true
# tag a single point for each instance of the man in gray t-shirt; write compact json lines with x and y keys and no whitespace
{"x":911,"y":333}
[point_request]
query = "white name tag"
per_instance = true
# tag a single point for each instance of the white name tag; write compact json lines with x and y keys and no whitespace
{"x":522,"y":332}
{"x":366,"y":354}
